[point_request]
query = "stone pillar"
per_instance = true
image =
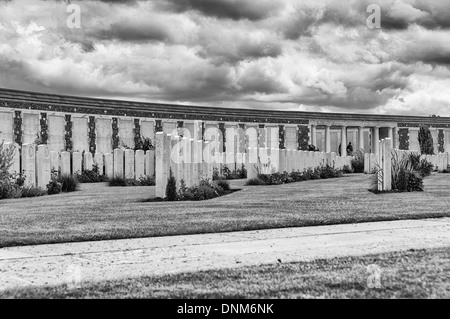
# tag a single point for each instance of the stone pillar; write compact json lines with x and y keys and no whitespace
{"x":43,"y":169}
{"x":390,"y":134}
{"x":129,"y":164}
{"x":291,"y":137}
{"x":56,"y":128}
{"x":328,"y":139}
{"x":6,"y":130}
{"x":139,"y":164}
{"x":65,"y":164}
{"x":150,"y":163}
{"x":376,"y":140}
{"x":395,"y":137}
{"x":118,"y":163}
{"x":231,"y":145}
{"x":361,"y":138}
{"x":103,"y":135}
{"x":162,"y":153}
{"x":272,"y":136}
{"x":31,"y":127}
{"x":80,"y":133}
{"x":343,"y":141}
{"x":76,"y":163}
{"x":126,"y":134}
{"x":169,"y":127}
{"x":109,"y":165}
{"x":148,"y":129}
{"x":313,"y":135}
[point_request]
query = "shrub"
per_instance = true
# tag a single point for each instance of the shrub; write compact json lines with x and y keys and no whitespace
{"x":117,"y":181}
{"x":92,"y":176}
{"x":147,"y":181}
{"x":225,"y":185}
{"x":228,"y":174}
{"x":425,"y":140}
{"x":255,"y":182}
{"x":206,"y":189}
{"x":9,"y":183}
{"x":33,"y":192}
{"x":54,"y":187}
{"x":358,"y":162}
{"x":69,"y":183}
{"x":171,"y":188}
{"x":144,"y":144}
{"x":295,"y":176}
{"x":347,"y":169}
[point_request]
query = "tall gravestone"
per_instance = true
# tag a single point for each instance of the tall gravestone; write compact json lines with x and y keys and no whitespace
{"x":29,"y":164}
{"x":76,"y":163}
{"x":43,"y":167}
{"x":129,"y":164}
{"x":150,"y":163}
{"x":118,"y":163}
{"x":65,"y":164}
{"x":88,"y":161}
{"x":99,"y":161}
{"x":140,"y":164}
{"x":109,"y":165}
{"x":161,"y":171}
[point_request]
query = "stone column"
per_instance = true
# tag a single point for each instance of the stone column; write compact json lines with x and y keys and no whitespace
{"x":31,"y":127}
{"x":6,"y":130}
{"x":56,"y":132}
{"x":395,"y":137}
{"x":291,"y":139}
{"x":126,"y":134}
{"x":361,"y":138}
{"x":148,"y":129}
{"x":313,"y":135}
{"x":344,"y":141}
{"x":328,"y":139}
{"x":103,"y":135}
{"x":376,"y":140}
{"x":80,"y":133}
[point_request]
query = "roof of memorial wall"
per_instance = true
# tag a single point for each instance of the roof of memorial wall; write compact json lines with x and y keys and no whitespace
{"x":75,"y":104}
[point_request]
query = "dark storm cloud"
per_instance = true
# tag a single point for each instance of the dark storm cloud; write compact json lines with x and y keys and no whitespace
{"x":229,"y":9}
{"x":280,"y":53}
{"x":127,"y":30}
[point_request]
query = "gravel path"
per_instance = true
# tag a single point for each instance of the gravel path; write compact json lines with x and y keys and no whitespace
{"x":90,"y":261}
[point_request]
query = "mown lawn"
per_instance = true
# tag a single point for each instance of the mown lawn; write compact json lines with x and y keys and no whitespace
{"x":411,"y":274}
{"x":98,"y":212}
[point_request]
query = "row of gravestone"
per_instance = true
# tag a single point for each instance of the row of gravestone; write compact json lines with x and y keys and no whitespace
{"x":190,"y":160}
{"x":37,"y":163}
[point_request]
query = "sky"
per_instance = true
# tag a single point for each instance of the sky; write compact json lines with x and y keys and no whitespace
{"x":313,"y":55}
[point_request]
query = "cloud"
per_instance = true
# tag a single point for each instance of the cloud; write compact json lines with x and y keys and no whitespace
{"x":229,"y":9}
{"x":259,"y":54}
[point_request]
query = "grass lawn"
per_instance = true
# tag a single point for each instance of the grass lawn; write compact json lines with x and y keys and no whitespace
{"x":411,"y":274}
{"x":98,"y":212}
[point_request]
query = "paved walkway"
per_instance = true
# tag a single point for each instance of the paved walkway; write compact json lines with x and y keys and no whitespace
{"x":65,"y":263}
